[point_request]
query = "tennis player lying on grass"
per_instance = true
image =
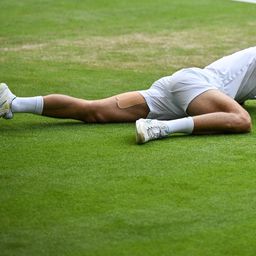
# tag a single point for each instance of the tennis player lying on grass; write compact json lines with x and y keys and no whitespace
{"x":192,"y":100}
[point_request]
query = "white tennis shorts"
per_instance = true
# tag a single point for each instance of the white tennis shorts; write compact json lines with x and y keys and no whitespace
{"x":234,"y":75}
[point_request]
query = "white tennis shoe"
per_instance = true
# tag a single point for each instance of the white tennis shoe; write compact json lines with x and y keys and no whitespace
{"x":150,"y":129}
{"x":6,"y":98}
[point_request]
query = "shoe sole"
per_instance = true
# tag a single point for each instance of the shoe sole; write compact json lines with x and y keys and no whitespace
{"x":140,"y":139}
{"x":6,"y":96}
{"x":3,"y":87}
{"x":3,"y":108}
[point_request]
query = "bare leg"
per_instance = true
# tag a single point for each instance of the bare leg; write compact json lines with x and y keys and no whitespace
{"x":210,"y":112}
{"x":91,"y":111}
{"x":213,"y":112}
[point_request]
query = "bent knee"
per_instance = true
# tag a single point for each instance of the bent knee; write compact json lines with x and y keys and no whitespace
{"x":246,"y":123}
{"x":241,"y":123}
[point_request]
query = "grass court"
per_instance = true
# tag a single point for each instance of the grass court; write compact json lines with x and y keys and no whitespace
{"x":67,"y":188}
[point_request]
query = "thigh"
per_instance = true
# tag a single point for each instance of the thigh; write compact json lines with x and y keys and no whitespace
{"x":125,"y":107}
{"x":213,"y":101}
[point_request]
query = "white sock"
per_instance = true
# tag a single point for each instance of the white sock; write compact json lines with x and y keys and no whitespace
{"x":182,"y":125}
{"x":28,"y":105}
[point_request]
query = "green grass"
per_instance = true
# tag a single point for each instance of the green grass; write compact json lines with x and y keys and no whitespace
{"x":67,"y":188}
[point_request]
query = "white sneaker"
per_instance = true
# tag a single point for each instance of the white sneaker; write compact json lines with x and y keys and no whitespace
{"x":150,"y":129}
{"x":6,"y":98}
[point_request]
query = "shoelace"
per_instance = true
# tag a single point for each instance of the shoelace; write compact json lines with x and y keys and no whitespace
{"x":155,"y":132}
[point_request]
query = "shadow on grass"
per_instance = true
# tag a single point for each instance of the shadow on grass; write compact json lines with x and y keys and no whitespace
{"x":19,"y":126}
{"x":123,"y":132}
{"x":184,"y":138}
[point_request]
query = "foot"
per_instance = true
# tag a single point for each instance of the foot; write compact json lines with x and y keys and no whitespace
{"x":6,"y":98}
{"x":150,"y":129}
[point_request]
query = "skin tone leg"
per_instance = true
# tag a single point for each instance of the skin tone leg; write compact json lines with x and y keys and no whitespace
{"x":215,"y":112}
{"x":212,"y":111}
{"x":93,"y":111}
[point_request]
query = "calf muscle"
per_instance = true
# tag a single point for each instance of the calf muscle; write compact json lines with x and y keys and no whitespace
{"x":220,"y":122}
